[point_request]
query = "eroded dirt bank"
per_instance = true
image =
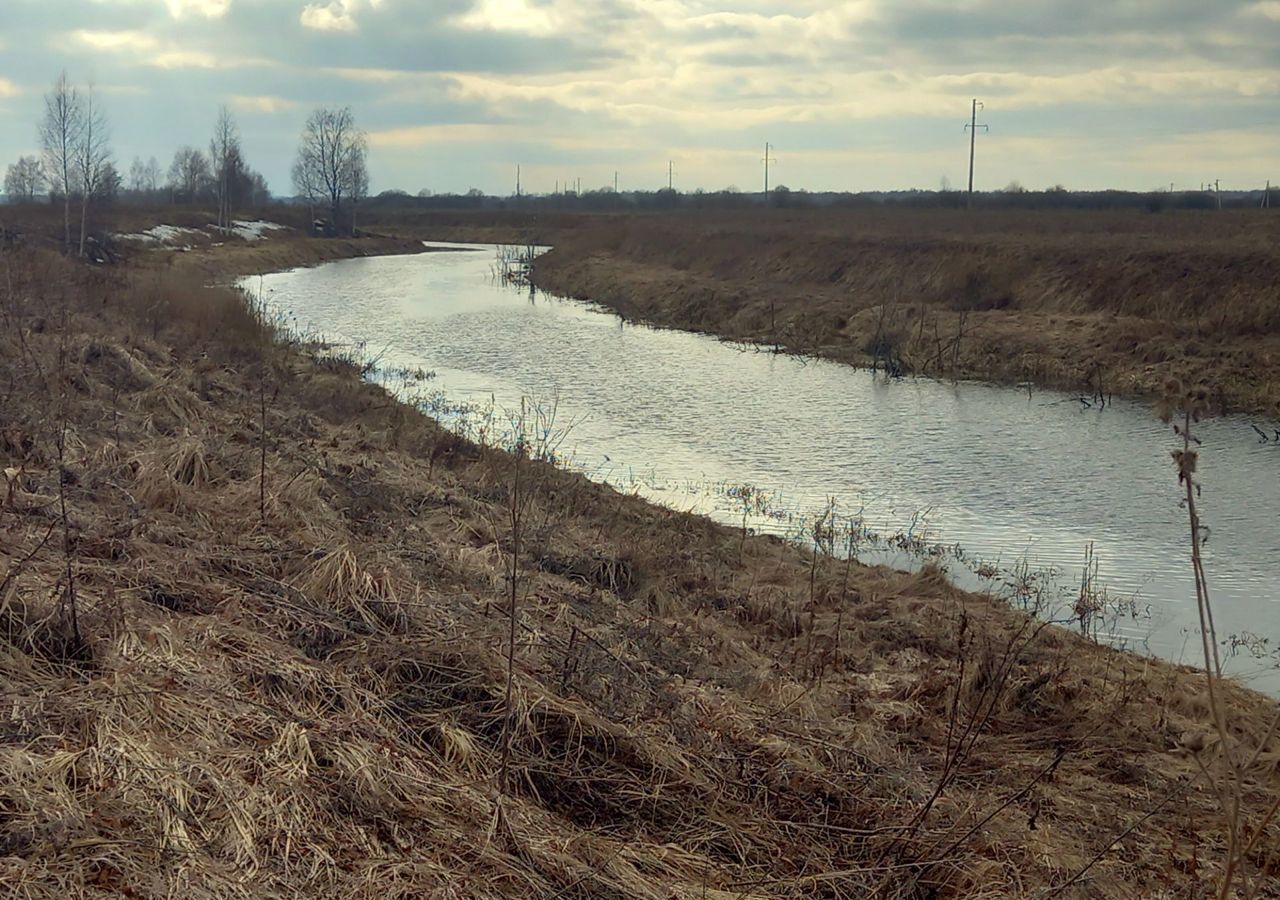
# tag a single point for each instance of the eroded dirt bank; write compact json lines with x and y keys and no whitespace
{"x":1117,"y":303}
{"x":263,"y":652}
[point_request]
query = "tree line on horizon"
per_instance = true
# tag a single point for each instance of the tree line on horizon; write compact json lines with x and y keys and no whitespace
{"x":1012,"y":197}
{"x":76,"y":167}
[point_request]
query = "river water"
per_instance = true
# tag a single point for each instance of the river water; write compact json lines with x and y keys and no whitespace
{"x":1025,"y":482}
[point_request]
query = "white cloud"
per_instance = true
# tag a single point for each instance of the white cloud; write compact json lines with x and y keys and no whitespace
{"x":121,"y":41}
{"x":337,"y":15}
{"x":511,"y":15}
{"x":1267,"y":9}
{"x":421,"y":135}
{"x":141,"y":48}
{"x":187,"y":59}
{"x":203,"y":59}
{"x":209,"y":9}
{"x":376,"y":76}
{"x":262,"y":104}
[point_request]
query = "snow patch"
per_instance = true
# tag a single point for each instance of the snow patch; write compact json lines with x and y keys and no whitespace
{"x":160,"y":234}
{"x":254,"y":231}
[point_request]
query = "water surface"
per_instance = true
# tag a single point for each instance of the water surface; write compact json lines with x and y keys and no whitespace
{"x":1005,"y":473}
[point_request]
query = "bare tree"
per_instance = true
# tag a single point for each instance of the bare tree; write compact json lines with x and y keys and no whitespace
{"x":24,"y":179}
{"x":92,"y":160}
{"x":328,"y":152}
{"x":305,"y":183}
{"x":358,"y":179}
{"x":188,"y":174}
{"x":259,"y":192}
{"x":137,"y":175}
{"x":59,"y":138}
{"x":227,"y":164}
{"x":144,"y":178}
{"x":152,"y":176}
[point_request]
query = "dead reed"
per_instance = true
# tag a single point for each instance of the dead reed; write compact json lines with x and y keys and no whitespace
{"x":311,"y":683}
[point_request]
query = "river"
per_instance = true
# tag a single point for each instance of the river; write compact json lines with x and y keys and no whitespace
{"x":1023,"y":482}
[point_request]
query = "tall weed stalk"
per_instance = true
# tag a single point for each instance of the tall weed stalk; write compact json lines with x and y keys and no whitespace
{"x":1228,"y":773}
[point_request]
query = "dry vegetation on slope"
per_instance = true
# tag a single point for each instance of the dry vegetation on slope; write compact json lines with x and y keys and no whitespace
{"x":263,"y":653}
{"x":1079,"y":300}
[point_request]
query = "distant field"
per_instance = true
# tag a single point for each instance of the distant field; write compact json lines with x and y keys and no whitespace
{"x":1097,"y":301}
{"x":1123,"y":302}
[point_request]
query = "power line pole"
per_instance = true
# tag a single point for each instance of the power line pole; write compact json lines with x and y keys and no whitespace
{"x":767,"y":160}
{"x":1266,"y":196}
{"x":973,"y":127}
{"x":615,"y":181}
{"x":517,"y":182}
{"x":1217,"y":191}
{"x":671,"y":175}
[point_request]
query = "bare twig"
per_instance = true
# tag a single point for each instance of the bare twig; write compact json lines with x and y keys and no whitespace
{"x":516,"y":512}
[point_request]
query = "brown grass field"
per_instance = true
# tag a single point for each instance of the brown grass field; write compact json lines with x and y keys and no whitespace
{"x":266,"y":632}
{"x":1109,"y":302}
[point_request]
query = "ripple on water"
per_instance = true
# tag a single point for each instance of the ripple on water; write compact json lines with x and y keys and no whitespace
{"x":1001,"y":472}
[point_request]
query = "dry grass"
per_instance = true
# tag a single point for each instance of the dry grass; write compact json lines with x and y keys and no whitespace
{"x":311,"y":702}
{"x":1065,"y":299}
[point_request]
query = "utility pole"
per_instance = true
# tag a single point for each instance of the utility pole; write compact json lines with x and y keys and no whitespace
{"x":767,"y":160}
{"x":1217,"y":191}
{"x":671,"y":175}
{"x":517,"y":181}
{"x":615,"y":181}
{"x":973,"y":127}
{"x":1266,"y":196}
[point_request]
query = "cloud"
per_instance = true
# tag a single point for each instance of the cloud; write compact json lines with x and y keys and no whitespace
{"x":338,"y":15}
{"x":1267,"y":9}
{"x":510,"y":15}
{"x":261,"y":104}
{"x":208,"y":9}
{"x":854,"y":93}
{"x":121,"y":41}
{"x":422,"y":135}
{"x":140,"y":48}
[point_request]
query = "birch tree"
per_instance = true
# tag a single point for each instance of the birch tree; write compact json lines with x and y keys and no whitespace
{"x":152,"y":175}
{"x":59,"y":137}
{"x":227,"y":163}
{"x":144,"y":177}
{"x":24,"y":180}
{"x":330,"y":156}
{"x":137,"y":175}
{"x":188,"y":174}
{"x":358,"y":180}
{"x":91,"y":159}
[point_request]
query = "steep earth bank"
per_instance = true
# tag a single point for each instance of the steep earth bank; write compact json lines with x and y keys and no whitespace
{"x":265,"y":631}
{"x":1090,"y":302}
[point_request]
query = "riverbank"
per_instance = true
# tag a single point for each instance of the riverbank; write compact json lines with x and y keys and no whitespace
{"x":265,"y":651}
{"x":1095,"y":302}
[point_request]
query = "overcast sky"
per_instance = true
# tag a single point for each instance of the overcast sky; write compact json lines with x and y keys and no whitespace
{"x":854,"y":95}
